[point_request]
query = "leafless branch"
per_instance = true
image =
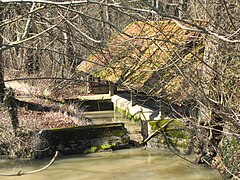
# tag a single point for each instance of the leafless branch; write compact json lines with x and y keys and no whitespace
{"x":20,"y":173}
{"x":15,"y":43}
{"x":48,"y":2}
{"x":156,"y":132}
{"x":28,"y":23}
{"x":77,"y":29}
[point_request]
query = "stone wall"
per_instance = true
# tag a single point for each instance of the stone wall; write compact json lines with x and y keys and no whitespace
{"x":135,"y":112}
{"x":82,"y":139}
{"x":175,"y":134}
{"x":100,"y":89}
{"x":172,"y":133}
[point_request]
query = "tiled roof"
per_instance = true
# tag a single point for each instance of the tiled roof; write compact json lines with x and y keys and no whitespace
{"x":148,"y":57}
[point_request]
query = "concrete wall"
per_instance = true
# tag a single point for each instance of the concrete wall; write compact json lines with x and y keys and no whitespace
{"x":100,"y":89}
{"x":175,"y":134}
{"x":82,"y":139}
{"x":135,"y":112}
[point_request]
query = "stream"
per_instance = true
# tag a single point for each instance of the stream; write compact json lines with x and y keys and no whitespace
{"x":127,"y":164}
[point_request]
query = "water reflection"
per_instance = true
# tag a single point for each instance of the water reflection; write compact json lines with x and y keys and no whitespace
{"x":128,"y":164}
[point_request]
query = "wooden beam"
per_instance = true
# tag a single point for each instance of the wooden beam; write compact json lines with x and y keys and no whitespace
{"x":89,"y":84}
{"x":133,"y":99}
{"x":111,"y":89}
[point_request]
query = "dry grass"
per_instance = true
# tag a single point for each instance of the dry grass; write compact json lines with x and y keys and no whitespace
{"x":23,"y":142}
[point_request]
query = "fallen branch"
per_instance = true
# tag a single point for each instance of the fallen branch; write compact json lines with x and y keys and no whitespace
{"x":20,"y":173}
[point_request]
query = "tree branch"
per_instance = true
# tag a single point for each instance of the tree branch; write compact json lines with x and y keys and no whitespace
{"x":12,"y":44}
{"x":156,"y":132}
{"x":28,"y":23}
{"x":77,"y":29}
{"x":48,"y":2}
{"x":47,"y":78}
{"x":20,"y":173}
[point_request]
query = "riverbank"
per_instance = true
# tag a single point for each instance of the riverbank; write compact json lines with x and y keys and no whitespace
{"x":20,"y":143}
{"x":138,"y":163}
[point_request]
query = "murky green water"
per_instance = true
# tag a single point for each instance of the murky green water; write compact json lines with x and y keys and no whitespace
{"x":128,"y":164}
{"x":110,"y":117}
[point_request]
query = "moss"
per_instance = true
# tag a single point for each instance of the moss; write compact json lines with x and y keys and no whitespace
{"x":86,"y":132}
{"x":126,"y":114}
{"x":105,"y":146}
{"x":124,"y":55}
{"x":136,"y":119}
{"x":92,"y":149}
{"x":117,"y":133}
{"x":125,"y":140}
{"x":156,"y":124}
{"x":88,"y":127}
{"x":176,"y":132}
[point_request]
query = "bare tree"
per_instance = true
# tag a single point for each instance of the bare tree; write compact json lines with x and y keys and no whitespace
{"x":2,"y":85}
{"x":68,"y":32}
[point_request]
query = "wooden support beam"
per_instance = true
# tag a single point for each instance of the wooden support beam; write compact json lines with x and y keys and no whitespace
{"x":144,"y":129}
{"x":111,"y":89}
{"x":89,"y":84}
{"x":133,"y":99}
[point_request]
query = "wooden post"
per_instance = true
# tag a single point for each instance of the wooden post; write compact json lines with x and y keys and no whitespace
{"x":160,"y":109}
{"x":111,"y":88}
{"x":133,"y":99}
{"x":89,"y":84}
{"x":144,"y":129}
{"x":98,"y":81}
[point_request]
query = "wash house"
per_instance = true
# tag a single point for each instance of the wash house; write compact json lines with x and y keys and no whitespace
{"x":148,"y":60}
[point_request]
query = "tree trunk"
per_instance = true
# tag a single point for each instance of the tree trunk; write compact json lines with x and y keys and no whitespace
{"x":182,"y":8}
{"x":204,"y":147}
{"x":2,"y":85}
{"x":221,"y":56}
{"x":9,"y":100}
